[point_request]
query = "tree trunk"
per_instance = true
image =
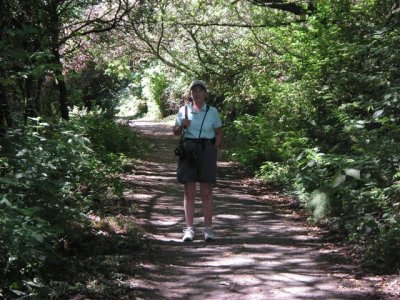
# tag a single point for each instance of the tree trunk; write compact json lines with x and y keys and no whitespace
{"x":5,"y":112}
{"x":61,"y":86}
{"x":30,"y":110}
{"x":62,"y":90}
{"x":53,"y":29}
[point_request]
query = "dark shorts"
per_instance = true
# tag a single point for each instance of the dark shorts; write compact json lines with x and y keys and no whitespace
{"x":200,"y":164}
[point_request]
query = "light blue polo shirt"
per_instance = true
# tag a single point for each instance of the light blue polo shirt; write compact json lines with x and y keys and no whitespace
{"x":212,"y":121}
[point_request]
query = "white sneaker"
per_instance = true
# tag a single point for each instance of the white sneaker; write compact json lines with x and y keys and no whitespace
{"x":208,"y":234}
{"x":188,"y":234}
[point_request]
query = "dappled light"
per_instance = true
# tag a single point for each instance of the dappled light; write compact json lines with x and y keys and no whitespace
{"x":259,"y":253}
{"x":303,"y":102}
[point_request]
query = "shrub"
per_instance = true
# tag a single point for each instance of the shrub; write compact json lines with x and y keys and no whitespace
{"x":51,"y":176}
{"x":107,"y":135}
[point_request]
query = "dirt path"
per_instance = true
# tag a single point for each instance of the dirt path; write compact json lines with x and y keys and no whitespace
{"x":263,"y":249}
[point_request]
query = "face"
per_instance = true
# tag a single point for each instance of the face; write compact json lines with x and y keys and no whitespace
{"x":198,"y":93}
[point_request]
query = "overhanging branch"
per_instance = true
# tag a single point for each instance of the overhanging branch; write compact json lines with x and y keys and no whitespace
{"x":100,"y":24}
{"x":292,"y":7}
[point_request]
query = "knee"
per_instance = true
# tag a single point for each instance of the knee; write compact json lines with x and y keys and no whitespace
{"x":190,"y":191}
{"x":206,"y":194}
{"x":189,"y":198}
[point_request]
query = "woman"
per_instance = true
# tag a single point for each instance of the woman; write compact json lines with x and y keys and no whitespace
{"x":201,"y":126}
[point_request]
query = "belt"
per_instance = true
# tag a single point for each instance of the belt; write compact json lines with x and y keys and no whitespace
{"x":212,"y":141}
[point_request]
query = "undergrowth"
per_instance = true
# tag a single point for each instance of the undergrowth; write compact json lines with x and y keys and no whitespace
{"x":54,"y":178}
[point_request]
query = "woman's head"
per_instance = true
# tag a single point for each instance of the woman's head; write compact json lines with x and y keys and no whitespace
{"x":198,"y":83}
{"x":198,"y":90}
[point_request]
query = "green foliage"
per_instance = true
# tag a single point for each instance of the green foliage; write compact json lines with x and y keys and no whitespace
{"x":321,"y":119}
{"x":106,"y":135}
{"x":158,"y":84}
{"x":131,"y":101}
{"x":95,"y":87}
{"x":51,"y":177}
{"x":276,"y":132}
{"x":310,"y":103}
{"x":276,"y":174}
{"x":158,"y":90}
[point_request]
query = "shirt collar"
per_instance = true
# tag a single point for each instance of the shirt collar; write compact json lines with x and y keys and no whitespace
{"x":203,"y":108}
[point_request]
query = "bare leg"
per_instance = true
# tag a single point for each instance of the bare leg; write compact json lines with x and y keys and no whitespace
{"x":188,"y":202}
{"x":207,"y":202}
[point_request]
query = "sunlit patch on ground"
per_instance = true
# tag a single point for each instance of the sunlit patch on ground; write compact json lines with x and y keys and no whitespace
{"x":262,"y":250}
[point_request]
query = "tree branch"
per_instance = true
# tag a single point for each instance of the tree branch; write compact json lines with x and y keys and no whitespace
{"x":121,"y":11}
{"x":241,"y":25}
{"x":156,"y":51}
{"x":292,"y":7}
{"x":199,"y":50}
